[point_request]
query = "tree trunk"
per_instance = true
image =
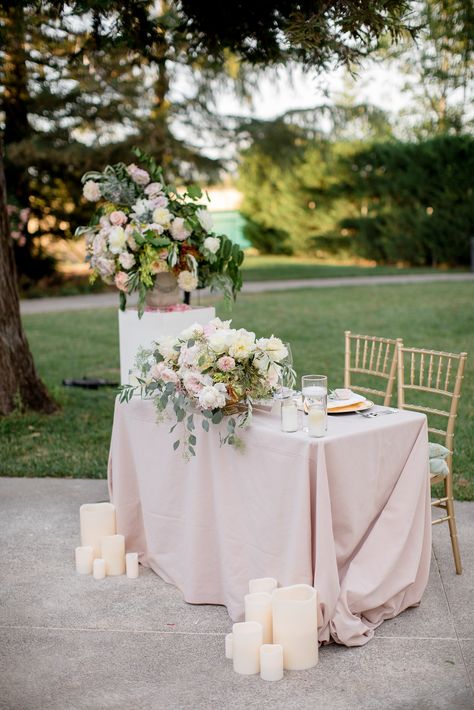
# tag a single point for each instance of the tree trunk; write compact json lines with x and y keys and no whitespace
{"x":19,"y":381}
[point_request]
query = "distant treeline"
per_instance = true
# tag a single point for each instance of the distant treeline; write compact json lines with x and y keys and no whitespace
{"x":389,"y":201}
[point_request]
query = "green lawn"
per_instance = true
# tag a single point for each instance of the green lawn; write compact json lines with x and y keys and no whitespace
{"x":267,"y":268}
{"x":75,"y":442}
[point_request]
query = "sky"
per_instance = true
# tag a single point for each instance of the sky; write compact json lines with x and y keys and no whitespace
{"x":376,"y":84}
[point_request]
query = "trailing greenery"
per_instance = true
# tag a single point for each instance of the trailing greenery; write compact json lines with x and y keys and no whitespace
{"x":75,"y":442}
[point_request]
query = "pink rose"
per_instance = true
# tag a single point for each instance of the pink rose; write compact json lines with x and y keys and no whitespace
{"x":161,"y":372}
{"x":226,"y":363}
{"x":121,"y":281}
{"x":117,"y":218}
{"x":138,"y":175}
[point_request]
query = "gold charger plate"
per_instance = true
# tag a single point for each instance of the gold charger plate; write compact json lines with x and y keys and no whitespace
{"x":348,"y":409}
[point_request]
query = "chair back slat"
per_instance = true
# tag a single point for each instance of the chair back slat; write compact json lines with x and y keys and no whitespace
{"x":444,"y":387}
{"x":370,"y":357}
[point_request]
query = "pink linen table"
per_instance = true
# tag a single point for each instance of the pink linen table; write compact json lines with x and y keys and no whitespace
{"x":349,"y":513}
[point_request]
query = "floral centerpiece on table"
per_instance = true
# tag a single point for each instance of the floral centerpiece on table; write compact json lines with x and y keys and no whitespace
{"x":214,"y":370}
{"x":144,"y":227}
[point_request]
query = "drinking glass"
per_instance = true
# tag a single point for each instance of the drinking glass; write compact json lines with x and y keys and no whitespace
{"x":314,"y":391}
{"x":287,"y":375}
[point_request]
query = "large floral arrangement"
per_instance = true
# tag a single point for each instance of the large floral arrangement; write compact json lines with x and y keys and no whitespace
{"x":144,"y":226}
{"x":214,"y":370}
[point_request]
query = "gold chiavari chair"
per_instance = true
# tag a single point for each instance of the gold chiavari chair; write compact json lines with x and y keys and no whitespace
{"x":435,"y":377}
{"x":370,"y":358}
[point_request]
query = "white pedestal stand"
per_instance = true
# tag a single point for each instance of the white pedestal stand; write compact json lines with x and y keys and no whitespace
{"x":135,"y":332}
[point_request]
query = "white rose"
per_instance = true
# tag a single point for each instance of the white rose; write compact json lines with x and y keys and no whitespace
{"x":220,"y":340}
{"x":127,"y":260}
{"x":219,"y":324}
{"x":212,"y":396}
{"x":205,"y":219}
{"x":194,"y":331}
{"x":117,"y":240}
{"x":91,"y":191}
{"x":142,"y":207}
{"x":162,"y":216}
{"x":243,"y":345}
{"x":166,"y":349}
{"x":187,"y":281}
{"x":212,"y":244}
{"x":273,"y":347}
{"x":178,"y":230}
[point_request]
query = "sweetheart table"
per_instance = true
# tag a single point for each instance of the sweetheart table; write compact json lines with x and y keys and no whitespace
{"x":348,"y":513}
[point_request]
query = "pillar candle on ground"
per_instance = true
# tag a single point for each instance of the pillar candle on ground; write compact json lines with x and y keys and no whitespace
{"x":271,"y":661}
{"x":97,"y":521}
{"x":258,"y":607}
{"x":113,"y":552}
{"x":228,"y":645}
{"x":295,"y":625}
{"x":84,"y":557}
{"x":247,"y":639}
{"x":131,"y":564}
{"x":262,"y":584}
{"x":99,"y":568}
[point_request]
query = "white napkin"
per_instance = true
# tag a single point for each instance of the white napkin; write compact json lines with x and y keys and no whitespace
{"x":353,"y":399}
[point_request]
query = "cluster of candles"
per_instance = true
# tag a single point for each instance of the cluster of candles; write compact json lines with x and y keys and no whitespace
{"x":102,"y":551}
{"x":314,"y":395}
{"x":280,"y":630}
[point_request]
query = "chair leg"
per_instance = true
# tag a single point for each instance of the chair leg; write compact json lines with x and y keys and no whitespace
{"x":454,"y":535}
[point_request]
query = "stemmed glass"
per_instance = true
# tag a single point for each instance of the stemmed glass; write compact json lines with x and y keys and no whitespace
{"x":287,"y":377}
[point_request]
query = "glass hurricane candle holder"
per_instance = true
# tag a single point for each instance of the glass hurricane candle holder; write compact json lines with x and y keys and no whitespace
{"x":314,"y":391}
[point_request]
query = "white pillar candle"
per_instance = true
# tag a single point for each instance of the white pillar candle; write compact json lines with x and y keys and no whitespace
{"x":228,"y":645}
{"x":113,"y":552}
{"x":289,"y":417}
{"x":262,"y":584}
{"x":84,"y":557}
{"x":271,"y":661}
{"x":295,"y":625}
{"x":99,"y":568}
{"x":316,"y":422}
{"x":246,"y":642}
{"x":258,"y":607}
{"x":131,"y":564}
{"x":97,"y":521}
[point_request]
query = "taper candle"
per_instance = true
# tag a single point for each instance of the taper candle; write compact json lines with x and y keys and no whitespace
{"x":228,"y":645}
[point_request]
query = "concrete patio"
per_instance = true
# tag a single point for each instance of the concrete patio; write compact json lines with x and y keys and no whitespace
{"x":71,"y":643}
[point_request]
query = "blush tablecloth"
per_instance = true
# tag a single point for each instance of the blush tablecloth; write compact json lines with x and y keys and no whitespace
{"x":349,"y":514}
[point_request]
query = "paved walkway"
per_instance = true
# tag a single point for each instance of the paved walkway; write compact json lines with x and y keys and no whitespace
{"x":72,"y":643}
{"x":108,"y":300}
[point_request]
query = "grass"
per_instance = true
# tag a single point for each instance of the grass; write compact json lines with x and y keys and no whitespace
{"x":267,"y":268}
{"x":75,"y":442}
